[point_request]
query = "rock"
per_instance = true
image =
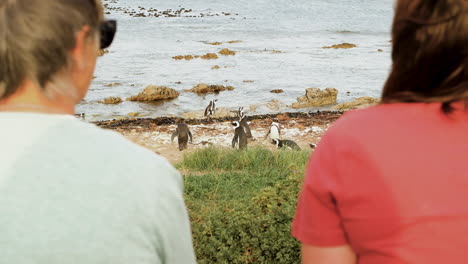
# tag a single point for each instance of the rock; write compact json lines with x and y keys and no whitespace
{"x":102,"y":52}
{"x":302,"y":99}
{"x":112,"y":84}
{"x":234,"y":41}
{"x":132,"y":114}
{"x":202,"y":88}
{"x":248,"y":81}
{"x":227,"y":52}
{"x":220,"y":113}
{"x":316,"y":97}
{"x":380,"y":50}
{"x":283,"y":117}
{"x":210,"y":56}
{"x":215,"y":43}
{"x":275,"y":105}
{"x":358,"y":103}
{"x":111,"y":100}
{"x":224,"y":112}
{"x":341,"y":46}
{"x":215,"y":67}
{"x":155,"y":93}
{"x":183,"y":57}
{"x":193,"y":115}
{"x":277,"y":91}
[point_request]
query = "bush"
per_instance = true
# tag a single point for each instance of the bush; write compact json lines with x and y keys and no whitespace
{"x":241,"y":211}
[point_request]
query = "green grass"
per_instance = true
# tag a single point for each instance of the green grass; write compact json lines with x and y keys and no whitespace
{"x":254,"y":159}
{"x":241,"y":203}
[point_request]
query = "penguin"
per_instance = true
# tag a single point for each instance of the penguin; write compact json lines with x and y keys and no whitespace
{"x":211,"y":108}
{"x":287,"y":144}
{"x":243,"y":122}
{"x":240,"y":112}
{"x":81,"y":116}
{"x":182,"y":133}
{"x":240,"y":138}
{"x":274,"y":131}
{"x":312,"y":145}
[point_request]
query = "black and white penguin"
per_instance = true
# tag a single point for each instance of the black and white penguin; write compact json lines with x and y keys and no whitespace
{"x":211,"y":108}
{"x":182,"y":133}
{"x":274,"y":132}
{"x":287,"y":144}
{"x":243,"y":122}
{"x":240,"y":138}
{"x":240,"y":112}
{"x":81,"y":116}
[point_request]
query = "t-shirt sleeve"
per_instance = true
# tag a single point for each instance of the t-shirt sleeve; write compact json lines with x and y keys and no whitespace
{"x":317,"y":221}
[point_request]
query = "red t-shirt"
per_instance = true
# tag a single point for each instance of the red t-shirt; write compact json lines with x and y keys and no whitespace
{"x":392,"y":182}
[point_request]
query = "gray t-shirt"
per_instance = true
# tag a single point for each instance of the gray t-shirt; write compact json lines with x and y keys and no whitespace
{"x":73,"y":193}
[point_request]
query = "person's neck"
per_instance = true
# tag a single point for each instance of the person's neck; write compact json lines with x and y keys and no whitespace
{"x":30,"y":98}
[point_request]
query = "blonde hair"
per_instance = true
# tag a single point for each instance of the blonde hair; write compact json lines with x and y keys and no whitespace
{"x":36,"y":37}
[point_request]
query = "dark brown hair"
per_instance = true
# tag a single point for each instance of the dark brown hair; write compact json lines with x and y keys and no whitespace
{"x":36,"y":37}
{"x":430,"y":53}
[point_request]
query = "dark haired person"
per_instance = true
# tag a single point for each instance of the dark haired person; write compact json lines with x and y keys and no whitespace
{"x":389,"y":184}
{"x":69,"y":191}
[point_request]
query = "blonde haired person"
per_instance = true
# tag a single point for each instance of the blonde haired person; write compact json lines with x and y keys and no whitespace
{"x":69,"y":191}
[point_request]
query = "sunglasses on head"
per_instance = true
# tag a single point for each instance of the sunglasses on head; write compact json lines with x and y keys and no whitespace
{"x":107,"y":30}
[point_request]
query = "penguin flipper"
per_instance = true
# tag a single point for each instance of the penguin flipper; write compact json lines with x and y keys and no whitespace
{"x":175,"y":134}
{"x":248,"y":131}
{"x":190,"y":135}
{"x":234,"y":141}
{"x":269,"y":130}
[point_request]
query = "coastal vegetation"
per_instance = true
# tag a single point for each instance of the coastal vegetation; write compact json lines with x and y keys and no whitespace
{"x":241,"y":203}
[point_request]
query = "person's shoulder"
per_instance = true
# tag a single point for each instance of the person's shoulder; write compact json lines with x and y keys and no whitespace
{"x":112,"y":147}
{"x":374,"y":117}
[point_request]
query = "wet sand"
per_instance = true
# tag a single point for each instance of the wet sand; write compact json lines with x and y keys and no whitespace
{"x":155,"y":133}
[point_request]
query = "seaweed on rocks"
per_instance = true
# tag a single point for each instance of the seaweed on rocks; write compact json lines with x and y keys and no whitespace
{"x":144,"y":124}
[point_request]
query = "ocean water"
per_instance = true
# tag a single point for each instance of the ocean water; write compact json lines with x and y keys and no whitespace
{"x":144,"y":46}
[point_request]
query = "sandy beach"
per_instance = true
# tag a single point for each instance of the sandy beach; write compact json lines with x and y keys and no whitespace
{"x":155,"y":133}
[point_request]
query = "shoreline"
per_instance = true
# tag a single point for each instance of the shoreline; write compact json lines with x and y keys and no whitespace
{"x":155,"y":133}
{"x":169,"y":120}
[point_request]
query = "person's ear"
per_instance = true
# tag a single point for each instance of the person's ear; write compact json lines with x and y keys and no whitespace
{"x":79,"y":52}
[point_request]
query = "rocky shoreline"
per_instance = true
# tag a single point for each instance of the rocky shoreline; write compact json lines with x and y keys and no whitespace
{"x":318,"y":117}
{"x":113,"y":6}
{"x":155,"y":133}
